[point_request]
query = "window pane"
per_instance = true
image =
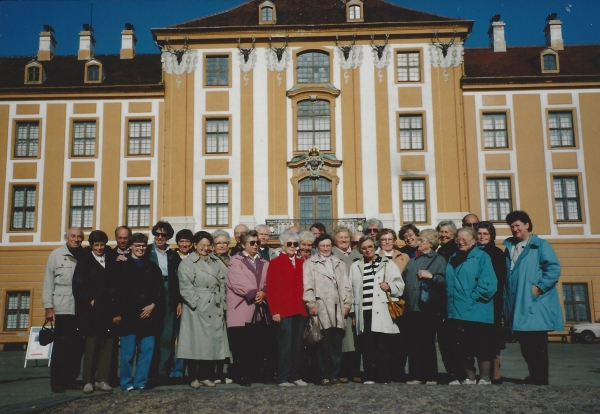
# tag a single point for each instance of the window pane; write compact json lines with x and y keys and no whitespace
{"x":561,"y":129}
{"x":576,"y":302}
{"x":217,"y":135}
{"x":23,"y":208}
{"x":499,"y":198}
{"x":313,"y":67}
{"x":566,"y":198}
{"x":494,"y":131}
{"x":414,"y":206}
{"x":140,"y":137}
{"x":138,"y":205}
{"x":411,"y":132}
{"x":314,"y":125}
{"x":217,"y":204}
{"x":409,"y":67}
{"x":27,"y":139}
{"x":217,"y":70}
{"x":84,"y":138}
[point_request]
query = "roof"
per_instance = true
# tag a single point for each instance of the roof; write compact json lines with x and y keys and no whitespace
{"x":67,"y":72}
{"x":521,"y":64}
{"x":311,"y":12}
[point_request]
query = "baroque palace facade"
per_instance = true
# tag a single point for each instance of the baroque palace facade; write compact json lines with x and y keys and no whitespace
{"x":284,"y":112}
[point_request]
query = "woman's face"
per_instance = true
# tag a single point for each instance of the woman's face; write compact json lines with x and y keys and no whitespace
{"x":138,"y":250}
{"x":221,"y":246}
{"x":184,"y":245}
{"x":203,"y":247}
{"x":368,"y":249}
{"x":342,"y":240}
{"x":483,"y":236}
{"x":324,"y":248}
{"x":410,"y":238}
{"x":305,"y":247}
{"x":290,"y":246}
{"x":160,"y":238}
{"x":386,"y":242}
{"x":464,"y":241}
{"x":445,"y":234}
{"x":423,"y":244}
{"x":98,"y":248}
{"x":251,"y":246}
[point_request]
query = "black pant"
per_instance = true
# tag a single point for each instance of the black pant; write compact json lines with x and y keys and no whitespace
{"x":249,"y":352}
{"x":202,"y":369}
{"x":290,"y":347}
{"x":66,"y":351}
{"x":375,"y":349}
{"x":329,"y":354}
{"x":534,"y":348}
{"x":398,"y":355}
{"x":420,"y":330}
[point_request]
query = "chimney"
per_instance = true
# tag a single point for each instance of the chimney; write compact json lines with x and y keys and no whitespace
{"x":553,"y":32}
{"x":86,"y":43}
{"x":496,"y":33}
{"x":47,"y":44}
{"x":128,"y":41}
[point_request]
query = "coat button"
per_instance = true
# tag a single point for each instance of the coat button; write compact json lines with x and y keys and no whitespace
{"x":209,"y":316}
{"x":209,"y":301}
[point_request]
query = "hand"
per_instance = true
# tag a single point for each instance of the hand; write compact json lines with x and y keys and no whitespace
{"x":277,"y":318}
{"x":260,"y":296}
{"x":117,"y":320}
{"x":424,"y":274}
{"x":121,"y":258}
{"x":50,"y":314}
{"x":346,"y":311}
{"x":536,"y":291}
{"x":178,"y":310}
{"x":147,"y":311}
{"x":384,"y":286}
{"x":92,"y":302}
{"x":313,"y":311}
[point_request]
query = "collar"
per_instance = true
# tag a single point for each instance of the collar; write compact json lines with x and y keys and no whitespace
{"x":256,"y":256}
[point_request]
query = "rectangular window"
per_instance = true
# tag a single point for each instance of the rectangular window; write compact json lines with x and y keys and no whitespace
{"x":561,"y":129}
{"x":23,"y":208}
{"x":33,"y":74}
{"x":314,"y":125}
{"x":138,"y":205}
{"x":217,"y":135}
{"x":566,"y":199}
{"x":217,"y":204}
{"x":499,"y":199}
{"x":217,"y":70}
{"x":27,"y":140}
{"x":140,"y":137}
{"x":17,"y":311}
{"x":354,"y":12}
{"x":409,"y":66}
{"x":411,"y":132}
{"x":84,"y":139}
{"x":576,"y":301}
{"x":82,"y":206}
{"x":494,"y":131}
{"x":414,"y":203}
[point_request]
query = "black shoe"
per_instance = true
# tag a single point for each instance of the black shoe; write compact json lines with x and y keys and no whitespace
{"x":74,"y":386}
{"x":534,"y":381}
{"x":498,"y":381}
{"x":245,"y":382}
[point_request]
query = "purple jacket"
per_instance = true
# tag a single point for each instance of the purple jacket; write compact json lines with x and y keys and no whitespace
{"x":243,"y":282}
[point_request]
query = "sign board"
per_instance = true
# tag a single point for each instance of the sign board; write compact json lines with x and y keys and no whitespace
{"x":34,"y":349}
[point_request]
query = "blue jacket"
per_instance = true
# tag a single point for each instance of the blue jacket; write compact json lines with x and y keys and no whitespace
{"x":470,"y":287}
{"x":536,"y":266}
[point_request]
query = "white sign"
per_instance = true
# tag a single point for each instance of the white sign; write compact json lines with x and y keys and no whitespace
{"x":34,"y":349}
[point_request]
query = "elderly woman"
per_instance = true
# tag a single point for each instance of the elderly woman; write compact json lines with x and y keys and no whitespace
{"x":470,"y":286}
{"x":327,"y":294}
{"x":409,"y":233}
{"x":221,"y":245}
{"x":284,"y":294}
{"x":183,"y":238}
{"x":202,"y":337}
{"x":96,"y":288}
{"x":386,"y":238}
{"x":447,"y":231}
{"x":370,"y":279}
{"x":425,"y":271}
{"x":306,"y":242}
{"x":486,"y":235}
{"x":246,"y":289}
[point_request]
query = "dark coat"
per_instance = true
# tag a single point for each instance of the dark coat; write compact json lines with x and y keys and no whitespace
{"x":447,"y":250}
{"x":173,"y":261}
{"x":140,"y":288}
{"x":91,"y":281}
{"x":499,"y":265}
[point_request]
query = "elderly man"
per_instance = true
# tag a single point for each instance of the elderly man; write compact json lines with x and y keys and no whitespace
{"x":355,"y":238}
{"x":237,"y":232}
{"x":263,"y":237}
{"x":470,"y":220}
{"x":57,"y":295}
{"x":372,"y":227}
{"x":531,"y":304}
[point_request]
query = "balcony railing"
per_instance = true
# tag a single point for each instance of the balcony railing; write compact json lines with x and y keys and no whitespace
{"x":276,"y":227}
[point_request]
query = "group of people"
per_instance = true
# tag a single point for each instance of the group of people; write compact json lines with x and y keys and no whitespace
{"x":203,"y":305}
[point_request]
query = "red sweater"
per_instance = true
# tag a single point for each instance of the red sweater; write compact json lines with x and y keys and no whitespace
{"x":285,"y":287}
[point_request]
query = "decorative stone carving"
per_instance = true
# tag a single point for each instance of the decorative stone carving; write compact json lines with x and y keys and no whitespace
{"x":249,"y":64}
{"x":188,"y":64}
{"x":454,"y":57}
{"x":352,"y":61}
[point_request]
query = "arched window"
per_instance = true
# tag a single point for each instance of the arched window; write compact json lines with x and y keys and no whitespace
{"x":549,"y":62}
{"x":33,"y":74}
{"x":314,"y":197}
{"x":314,"y":125}
{"x":313,"y":67}
{"x":267,"y":14}
{"x":354,"y":12}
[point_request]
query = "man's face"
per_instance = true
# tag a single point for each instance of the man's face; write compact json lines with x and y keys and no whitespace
{"x":342,"y":240}
{"x":372,"y":230}
{"x":74,"y":237}
{"x":316,"y":232}
{"x":520,"y":230}
{"x":263,"y":236}
{"x":470,"y":221}
{"x":123,"y":239}
{"x":238,"y":230}
{"x":160,"y":238}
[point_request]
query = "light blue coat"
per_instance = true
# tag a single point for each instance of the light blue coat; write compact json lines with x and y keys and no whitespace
{"x":538,"y":266}
{"x":470,"y":287}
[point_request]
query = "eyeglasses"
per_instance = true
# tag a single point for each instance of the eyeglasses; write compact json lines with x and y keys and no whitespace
{"x":290,"y":244}
{"x":353,"y":243}
{"x":470,"y":224}
{"x":368,"y":247}
{"x":139,"y":246}
{"x":375,"y":230}
{"x":386,"y":239}
{"x":157,"y":234}
{"x":223,"y":242}
{"x":204,"y":246}
{"x":252,"y":242}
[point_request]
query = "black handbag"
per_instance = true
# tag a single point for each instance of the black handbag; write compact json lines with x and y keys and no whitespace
{"x":313,"y":332}
{"x":46,"y":335}
{"x":259,"y":325}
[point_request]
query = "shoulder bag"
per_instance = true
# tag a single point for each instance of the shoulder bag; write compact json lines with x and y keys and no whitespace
{"x":396,"y":308}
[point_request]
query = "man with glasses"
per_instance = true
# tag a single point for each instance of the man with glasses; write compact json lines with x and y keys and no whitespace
{"x":372,"y":227}
{"x":470,"y":220}
{"x":160,"y":253}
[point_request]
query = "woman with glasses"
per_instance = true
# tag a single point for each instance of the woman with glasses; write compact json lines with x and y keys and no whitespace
{"x":202,"y":337}
{"x":409,"y":233}
{"x":386,"y":238}
{"x":370,"y":279}
{"x":425,"y":271}
{"x":470,"y":286}
{"x":327,"y":295}
{"x":246,"y":289}
{"x":284,"y":293}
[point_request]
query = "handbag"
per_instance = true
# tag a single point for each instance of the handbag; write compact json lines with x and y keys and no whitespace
{"x":259,"y":324}
{"x":313,"y":332}
{"x":46,"y":335}
{"x":395,"y":308}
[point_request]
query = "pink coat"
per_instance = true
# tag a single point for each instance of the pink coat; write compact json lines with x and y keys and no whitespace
{"x":242,"y":286}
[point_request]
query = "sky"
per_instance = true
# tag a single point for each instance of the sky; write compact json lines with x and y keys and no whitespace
{"x":21,"y":21}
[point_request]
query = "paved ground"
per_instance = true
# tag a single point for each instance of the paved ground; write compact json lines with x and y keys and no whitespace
{"x":574,"y":378}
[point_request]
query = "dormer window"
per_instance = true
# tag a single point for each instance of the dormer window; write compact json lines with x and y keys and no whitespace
{"x":267,"y":13}
{"x":549,"y":61}
{"x":34,"y":72}
{"x":354,"y":11}
{"x":93,"y":72}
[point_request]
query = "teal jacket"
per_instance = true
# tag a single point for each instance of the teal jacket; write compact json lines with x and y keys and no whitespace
{"x":536,"y":266}
{"x":470,"y":287}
